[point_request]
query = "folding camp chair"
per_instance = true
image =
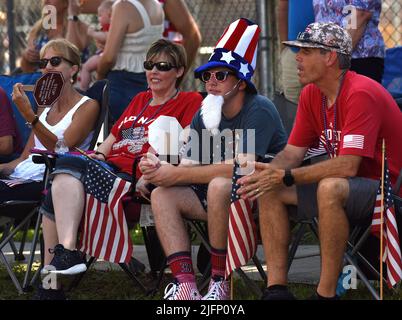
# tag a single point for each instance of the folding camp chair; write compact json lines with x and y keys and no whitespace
{"x":358,"y":235}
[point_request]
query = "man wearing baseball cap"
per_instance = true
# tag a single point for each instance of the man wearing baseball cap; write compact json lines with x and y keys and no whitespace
{"x":200,"y":187}
{"x":347,"y":114}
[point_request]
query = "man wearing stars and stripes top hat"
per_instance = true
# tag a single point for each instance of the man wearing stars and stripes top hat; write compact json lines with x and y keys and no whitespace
{"x":234,"y":122}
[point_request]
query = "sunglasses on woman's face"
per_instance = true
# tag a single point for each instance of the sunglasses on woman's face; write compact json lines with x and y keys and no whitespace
{"x":54,"y":62}
{"x":219,"y":76}
{"x":161,"y":66}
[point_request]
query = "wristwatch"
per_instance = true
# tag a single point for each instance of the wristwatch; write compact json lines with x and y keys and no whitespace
{"x":288,"y":179}
{"x":73,"y":18}
{"x":34,"y":121}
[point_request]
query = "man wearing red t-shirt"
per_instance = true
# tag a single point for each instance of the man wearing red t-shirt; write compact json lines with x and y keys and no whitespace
{"x":347,"y":114}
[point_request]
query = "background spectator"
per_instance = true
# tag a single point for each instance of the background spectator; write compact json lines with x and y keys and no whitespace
{"x":292,"y":17}
{"x":181,"y":27}
{"x":68,"y":26}
{"x":134,"y":27}
{"x":10,"y":140}
{"x":104,"y":17}
{"x":368,"y":43}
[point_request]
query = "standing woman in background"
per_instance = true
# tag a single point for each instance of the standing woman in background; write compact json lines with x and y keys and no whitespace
{"x":367,"y":41}
{"x":68,"y":26}
{"x":181,"y":27}
{"x":135,"y":25}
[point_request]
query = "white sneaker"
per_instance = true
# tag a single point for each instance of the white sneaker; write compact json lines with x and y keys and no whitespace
{"x":218,"y":290}
{"x":182,"y":291}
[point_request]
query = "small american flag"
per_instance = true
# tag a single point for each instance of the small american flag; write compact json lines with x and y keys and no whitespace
{"x":242,"y":233}
{"x":353,"y":141}
{"x":105,"y":232}
{"x":392,"y":250}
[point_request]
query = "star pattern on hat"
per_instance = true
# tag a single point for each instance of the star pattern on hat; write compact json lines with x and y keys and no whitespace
{"x":227,"y":57}
{"x":244,"y":69}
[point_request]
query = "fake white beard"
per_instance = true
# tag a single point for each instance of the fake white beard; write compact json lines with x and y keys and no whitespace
{"x":211,"y":112}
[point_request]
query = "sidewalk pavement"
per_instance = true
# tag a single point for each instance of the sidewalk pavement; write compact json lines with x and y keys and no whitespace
{"x":305,"y":268}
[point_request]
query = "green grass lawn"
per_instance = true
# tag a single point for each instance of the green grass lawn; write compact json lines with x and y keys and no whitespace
{"x":115,"y":285}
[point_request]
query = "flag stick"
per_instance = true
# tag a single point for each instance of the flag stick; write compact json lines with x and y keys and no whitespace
{"x":382,"y":220}
{"x":95,"y":162}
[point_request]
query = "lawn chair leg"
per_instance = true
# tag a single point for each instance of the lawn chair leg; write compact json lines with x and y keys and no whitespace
{"x":6,"y":232}
{"x":158,"y":282}
{"x":206,"y":278}
{"x":134,"y":278}
{"x":20,"y":256}
{"x":295,"y":244}
{"x":11,"y":273}
{"x":260,"y":269}
{"x":250,"y":283}
{"x":362,"y":277}
{"x":6,"y":240}
{"x":32,"y":254}
{"x":77,"y":279}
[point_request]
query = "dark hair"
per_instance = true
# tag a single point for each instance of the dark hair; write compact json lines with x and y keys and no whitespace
{"x":175,"y":52}
{"x":344,"y":60}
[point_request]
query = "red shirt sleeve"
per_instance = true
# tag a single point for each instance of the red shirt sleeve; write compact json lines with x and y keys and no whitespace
{"x":361,"y":126}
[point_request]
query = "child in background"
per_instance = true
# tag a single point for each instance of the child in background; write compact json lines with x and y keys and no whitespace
{"x":104,"y":16}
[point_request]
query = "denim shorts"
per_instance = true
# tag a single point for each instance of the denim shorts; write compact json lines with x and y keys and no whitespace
{"x":76,"y":167}
{"x":359,"y":205}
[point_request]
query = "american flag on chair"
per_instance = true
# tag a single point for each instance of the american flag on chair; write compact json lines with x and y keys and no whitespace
{"x":105,"y":232}
{"x":242,"y":233}
{"x":392,"y":250}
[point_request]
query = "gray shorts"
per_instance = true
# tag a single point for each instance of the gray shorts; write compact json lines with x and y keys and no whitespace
{"x":359,"y":206}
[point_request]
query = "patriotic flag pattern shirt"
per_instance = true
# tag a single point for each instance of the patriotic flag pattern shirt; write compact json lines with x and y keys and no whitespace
{"x":366,"y":113}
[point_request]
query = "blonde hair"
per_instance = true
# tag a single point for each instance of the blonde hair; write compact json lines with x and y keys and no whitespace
{"x":65,"y":49}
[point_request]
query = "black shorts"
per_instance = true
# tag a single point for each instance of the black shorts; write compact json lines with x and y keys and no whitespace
{"x":359,"y":206}
{"x":201,"y":191}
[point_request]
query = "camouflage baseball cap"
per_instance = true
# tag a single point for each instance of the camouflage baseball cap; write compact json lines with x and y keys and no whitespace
{"x":329,"y":36}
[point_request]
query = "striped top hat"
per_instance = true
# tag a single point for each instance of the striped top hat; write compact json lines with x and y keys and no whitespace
{"x":236,"y":50}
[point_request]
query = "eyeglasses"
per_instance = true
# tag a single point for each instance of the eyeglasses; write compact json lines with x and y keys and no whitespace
{"x":161,"y":66}
{"x":219,"y":76}
{"x":54,"y":62}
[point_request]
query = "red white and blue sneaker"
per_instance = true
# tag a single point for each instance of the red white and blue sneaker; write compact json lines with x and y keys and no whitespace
{"x":219,"y":289}
{"x":182,"y":291}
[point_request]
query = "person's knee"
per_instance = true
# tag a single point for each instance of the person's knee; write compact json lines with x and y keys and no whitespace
{"x":332,"y":190}
{"x":161,"y":197}
{"x":65,"y":183}
{"x":219,"y":188}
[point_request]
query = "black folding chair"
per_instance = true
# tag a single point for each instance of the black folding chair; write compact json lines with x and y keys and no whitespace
{"x":358,"y":236}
